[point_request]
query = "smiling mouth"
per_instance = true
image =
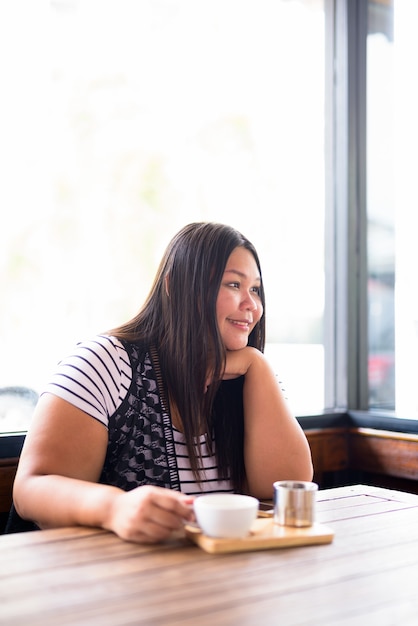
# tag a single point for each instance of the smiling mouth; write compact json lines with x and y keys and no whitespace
{"x":243,"y":324}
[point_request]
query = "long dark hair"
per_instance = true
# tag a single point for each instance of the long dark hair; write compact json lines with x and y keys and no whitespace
{"x":179,"y":319}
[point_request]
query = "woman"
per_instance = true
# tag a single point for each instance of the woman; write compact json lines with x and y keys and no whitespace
{"x":178,"y":401}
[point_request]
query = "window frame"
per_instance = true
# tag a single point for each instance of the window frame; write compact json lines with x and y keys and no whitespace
{"x":346,"y":355}
{"x":346,"y":309}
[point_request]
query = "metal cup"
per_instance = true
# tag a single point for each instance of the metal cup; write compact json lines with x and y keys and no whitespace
{"x":294,"y":502}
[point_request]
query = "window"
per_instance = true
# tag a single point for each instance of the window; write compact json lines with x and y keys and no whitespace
{"x":380,"y":206}
{"x":392,"y":138}
{"x":125,"y":119}
{"x":406,"y":202}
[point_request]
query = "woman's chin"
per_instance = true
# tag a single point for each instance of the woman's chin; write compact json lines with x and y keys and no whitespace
{"x":236,"y":345}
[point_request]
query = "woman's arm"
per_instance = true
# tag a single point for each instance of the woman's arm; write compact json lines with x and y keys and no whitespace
{"x":275,"y":446}
{"x":56,"y":482}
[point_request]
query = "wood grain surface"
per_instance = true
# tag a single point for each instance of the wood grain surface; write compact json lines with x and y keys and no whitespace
{"x":367,"y":575}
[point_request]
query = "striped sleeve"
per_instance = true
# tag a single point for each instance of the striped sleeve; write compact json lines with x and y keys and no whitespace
{"x":95,"y":378}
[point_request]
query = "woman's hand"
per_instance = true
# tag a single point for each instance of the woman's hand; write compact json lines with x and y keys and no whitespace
{"x":149,"y":514}
{"x":239,"y":361}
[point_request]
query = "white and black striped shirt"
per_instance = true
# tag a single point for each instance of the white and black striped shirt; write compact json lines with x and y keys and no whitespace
{"x":96,"y":379}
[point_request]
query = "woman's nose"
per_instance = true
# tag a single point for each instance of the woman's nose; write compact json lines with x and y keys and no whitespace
{"x":249,"y":302}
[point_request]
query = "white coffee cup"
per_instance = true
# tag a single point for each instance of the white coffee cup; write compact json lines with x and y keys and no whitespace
{"x":225,"y":514}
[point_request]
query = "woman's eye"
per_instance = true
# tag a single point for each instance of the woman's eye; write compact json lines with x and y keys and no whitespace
{"x":237,"y":285}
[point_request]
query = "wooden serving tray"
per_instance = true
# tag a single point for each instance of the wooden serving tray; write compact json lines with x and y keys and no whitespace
{"x":264,"y":535}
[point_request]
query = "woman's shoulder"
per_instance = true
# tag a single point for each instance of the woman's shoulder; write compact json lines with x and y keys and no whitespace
{"x":95,"y":376}
{"x":101,"y":342}
{"x":101,"y":353}
{"x":110,"y":355}
{"x":102,"y":346}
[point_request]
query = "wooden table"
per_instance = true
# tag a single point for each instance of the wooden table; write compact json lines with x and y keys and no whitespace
{"x":367,"y":575}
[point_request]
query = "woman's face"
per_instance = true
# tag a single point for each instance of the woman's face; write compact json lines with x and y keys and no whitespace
{"x":238,"y":306}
